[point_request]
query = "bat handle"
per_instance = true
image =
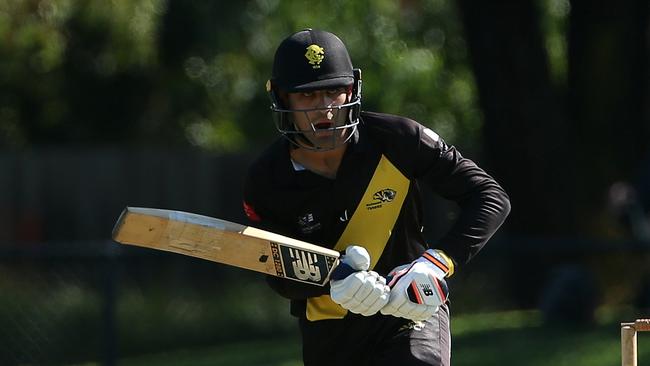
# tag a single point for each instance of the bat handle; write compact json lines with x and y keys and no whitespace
{"x":342,"y":271}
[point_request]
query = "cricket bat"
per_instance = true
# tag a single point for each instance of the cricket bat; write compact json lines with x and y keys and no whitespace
{"x":226,"y":242}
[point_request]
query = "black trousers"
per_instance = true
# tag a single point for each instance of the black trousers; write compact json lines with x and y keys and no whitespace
{"x":378,"y":341}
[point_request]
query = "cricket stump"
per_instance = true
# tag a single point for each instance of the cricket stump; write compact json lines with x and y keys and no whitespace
{"x":628,"y":340}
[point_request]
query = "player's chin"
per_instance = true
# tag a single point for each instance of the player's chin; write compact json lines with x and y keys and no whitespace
{"x":327,"y":142}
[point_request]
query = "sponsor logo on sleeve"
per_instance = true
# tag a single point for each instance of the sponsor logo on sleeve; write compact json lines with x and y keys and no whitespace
{"x":432,"y":135}
{"x":250,"y":212}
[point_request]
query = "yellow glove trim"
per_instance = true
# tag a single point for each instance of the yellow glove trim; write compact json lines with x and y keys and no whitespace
{"x":449,"y":261}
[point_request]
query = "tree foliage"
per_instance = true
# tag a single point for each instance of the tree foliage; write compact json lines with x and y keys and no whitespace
{"x":181,"y":73}
{"x":558,"y":82}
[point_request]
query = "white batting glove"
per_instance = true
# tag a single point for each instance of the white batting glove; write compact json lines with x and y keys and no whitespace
{"x":418,"y":289}
{"x":362,"y":292}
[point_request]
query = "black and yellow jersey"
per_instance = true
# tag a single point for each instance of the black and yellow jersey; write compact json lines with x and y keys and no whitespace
{"x":374,"y":201}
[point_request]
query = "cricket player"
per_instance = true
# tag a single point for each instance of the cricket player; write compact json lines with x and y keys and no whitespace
{"x":350,"y":180}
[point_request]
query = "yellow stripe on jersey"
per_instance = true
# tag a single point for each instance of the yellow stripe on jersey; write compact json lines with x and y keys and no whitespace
{"x":370,"y":227}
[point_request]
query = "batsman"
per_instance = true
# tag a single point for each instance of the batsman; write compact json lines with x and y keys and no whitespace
{"x":351,"y":180}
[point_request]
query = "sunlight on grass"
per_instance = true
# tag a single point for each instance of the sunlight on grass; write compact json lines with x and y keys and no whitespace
{"x":496,"y":338}
{"x":474,"y":323}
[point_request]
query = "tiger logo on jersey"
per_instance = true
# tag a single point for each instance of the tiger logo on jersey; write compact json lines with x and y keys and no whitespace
{"x":385,"y":195}
{"x":380,"y":197}
{"x":315,"y":55}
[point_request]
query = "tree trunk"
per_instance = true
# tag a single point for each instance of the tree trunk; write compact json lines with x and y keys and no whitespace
{"x":524,"y":128}
{"x":608,"y":99}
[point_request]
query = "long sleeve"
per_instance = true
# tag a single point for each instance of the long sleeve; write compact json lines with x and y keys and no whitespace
{"x":484,"y":205}
{"x":263,"y":218}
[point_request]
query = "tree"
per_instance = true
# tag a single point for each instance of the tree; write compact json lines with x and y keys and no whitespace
{"x":525,"y":124}
{"x":192,"y":73}
{"x":558,"y":140}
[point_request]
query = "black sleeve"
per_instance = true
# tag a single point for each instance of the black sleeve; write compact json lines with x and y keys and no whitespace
{"x":261,"y":216}
{"x":484,"y":205}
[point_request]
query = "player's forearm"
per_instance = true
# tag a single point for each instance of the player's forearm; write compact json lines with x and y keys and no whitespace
{"x":293,"y":290}
{"x":481,"y":214}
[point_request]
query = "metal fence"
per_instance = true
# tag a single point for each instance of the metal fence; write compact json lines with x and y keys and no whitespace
{"x":63,"y":195}
{"x":68,"y":294}
{"x":86,"y":301}
{"x":97,"y":301}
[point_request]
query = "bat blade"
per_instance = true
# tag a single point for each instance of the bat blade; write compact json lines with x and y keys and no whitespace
{"x":225,"y":242}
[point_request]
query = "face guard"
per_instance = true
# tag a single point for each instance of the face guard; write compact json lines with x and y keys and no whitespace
{"x":343,"y":121}
{"x":314,"y":60}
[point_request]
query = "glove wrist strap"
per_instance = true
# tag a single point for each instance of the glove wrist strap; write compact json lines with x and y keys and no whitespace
{"x":440,"y":260}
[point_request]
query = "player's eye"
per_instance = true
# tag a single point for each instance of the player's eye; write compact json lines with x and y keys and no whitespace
{"x":307,"y":94}
{"x":335,"y":91}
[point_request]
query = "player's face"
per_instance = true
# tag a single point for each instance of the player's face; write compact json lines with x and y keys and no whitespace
{"x":318,"y":116}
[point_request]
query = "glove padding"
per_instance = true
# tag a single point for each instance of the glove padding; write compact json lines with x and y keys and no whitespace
{"x":363,"y":292}
{"x":418,"y":289}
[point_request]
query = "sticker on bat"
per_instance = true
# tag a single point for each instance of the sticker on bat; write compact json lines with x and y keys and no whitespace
{"x":277,"y":259}
{"x":305,"y":266}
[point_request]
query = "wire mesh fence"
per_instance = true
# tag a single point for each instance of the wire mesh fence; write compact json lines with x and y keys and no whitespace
{"x":66,"y":303}
{"x":97,"y":301}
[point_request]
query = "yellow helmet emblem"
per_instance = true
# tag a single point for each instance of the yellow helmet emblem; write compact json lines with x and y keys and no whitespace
{"x":315,"y":55}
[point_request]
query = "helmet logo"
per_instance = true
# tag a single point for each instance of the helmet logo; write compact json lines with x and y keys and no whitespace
{"x":315,"y":55}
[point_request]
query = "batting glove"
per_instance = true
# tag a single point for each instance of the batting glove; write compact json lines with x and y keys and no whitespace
{"x":418,"y":289}
{"x":362,"y":292}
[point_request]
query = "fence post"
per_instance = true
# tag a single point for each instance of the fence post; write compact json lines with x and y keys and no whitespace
{"x":110,"y":303}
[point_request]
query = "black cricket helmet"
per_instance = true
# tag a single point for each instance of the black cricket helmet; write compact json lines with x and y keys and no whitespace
{"x":311,"y":60}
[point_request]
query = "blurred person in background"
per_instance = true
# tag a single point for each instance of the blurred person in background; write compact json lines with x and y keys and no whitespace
{"x":629,"y":201}
{"x":350,"y":180}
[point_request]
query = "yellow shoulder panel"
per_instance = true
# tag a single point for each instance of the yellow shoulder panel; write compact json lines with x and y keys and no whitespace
{"x":369,"y":227}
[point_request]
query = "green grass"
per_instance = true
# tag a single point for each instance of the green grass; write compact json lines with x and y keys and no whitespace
{"x":277,"y":352}
{"x":177,"y":325}
{"x":503,"y":338}
{"x":519,"y":338}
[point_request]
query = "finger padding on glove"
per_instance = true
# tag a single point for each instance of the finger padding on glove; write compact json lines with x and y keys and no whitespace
{"x":362,"y":293}
{"x":403,"y":308}
{"x":357,"y":257}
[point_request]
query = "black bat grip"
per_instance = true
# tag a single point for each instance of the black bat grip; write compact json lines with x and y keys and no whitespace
{"x":342,"y":271}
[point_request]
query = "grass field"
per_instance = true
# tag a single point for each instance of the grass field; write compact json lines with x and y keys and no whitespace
{"x":62,"y":323}
{"x":503,"y":338}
